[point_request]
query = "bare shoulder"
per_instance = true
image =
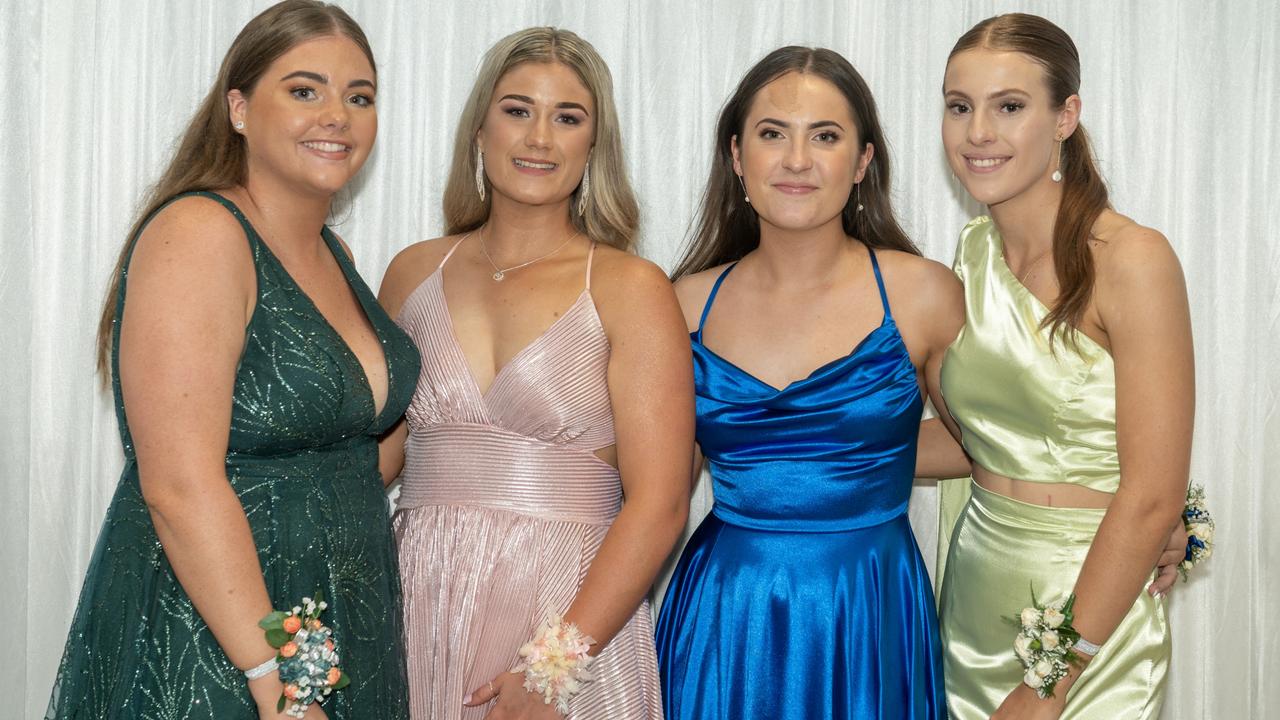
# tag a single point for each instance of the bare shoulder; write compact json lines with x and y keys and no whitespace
{"x":917,"y":280}
{"x":619,"y":276}
{"x":410,"y":267}
{"x":630,"y":291}
{"x":192,"y":237}
{"x":1129,"y":257}
{"x":693,"y":290}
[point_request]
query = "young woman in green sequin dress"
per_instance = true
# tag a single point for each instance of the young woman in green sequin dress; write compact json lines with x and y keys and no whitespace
{"x":253,"y":374}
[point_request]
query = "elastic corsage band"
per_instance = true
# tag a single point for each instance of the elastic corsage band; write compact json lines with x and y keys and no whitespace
{"x":555,"y":662}
{"x":305,"y":654}
{"x":1046,"y":643}
{"x":1199,"y":524}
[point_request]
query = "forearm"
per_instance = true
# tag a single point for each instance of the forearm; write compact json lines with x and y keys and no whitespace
{"x":1120,"y":562}
{"x":938,"y":455}
{"x":623,"y":571}
{"x":209,"y":544}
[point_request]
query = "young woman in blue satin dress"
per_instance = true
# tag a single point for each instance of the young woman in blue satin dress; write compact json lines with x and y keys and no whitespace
{"x":816,"y":329}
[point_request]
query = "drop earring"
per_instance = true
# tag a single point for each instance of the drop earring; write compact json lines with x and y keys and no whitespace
{"x":1057,"y":172}
{"x":584,"y":191}
{"x":857,"y":203}
{"x":745,"y":196}
{"x":480,"y":173}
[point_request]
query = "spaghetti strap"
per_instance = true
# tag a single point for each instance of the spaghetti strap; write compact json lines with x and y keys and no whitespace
{"x":591,"y":255}
{"x":712,"y":298}
{"x":449,"y":254}
{"x":884,"y":297}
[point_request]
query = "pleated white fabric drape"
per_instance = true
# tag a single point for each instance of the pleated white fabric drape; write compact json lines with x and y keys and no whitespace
{"x":1181,"y":99}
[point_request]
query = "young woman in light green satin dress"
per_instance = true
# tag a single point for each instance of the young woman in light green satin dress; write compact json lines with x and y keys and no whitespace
{"x":1071,"y":388}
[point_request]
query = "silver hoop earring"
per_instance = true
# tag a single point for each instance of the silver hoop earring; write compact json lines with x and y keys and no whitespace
{"x":480,"y":173}
{"x":745,"y":196}
{"x":239,"y":125}
{"x":857,"y":203}
{"x":584,"y":191}
{"x":1057,"y":173}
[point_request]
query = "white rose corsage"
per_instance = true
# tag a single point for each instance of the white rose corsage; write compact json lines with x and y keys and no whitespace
{"x":1199,"y":524}
{"x":1046,"y":643}
{"x":555,"y":662}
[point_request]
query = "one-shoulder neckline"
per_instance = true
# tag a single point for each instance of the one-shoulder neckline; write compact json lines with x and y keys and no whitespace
{"x":1042,"y":310}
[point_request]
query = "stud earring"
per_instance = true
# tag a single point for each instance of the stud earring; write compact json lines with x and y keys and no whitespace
{"x":584,"y":191}
{"x":239,"y":125}
{"x":480,"y":173}
{"x":745,"y":196}
{"x":1057,"y":172}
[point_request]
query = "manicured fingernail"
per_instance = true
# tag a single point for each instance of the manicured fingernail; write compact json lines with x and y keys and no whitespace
{"x":1159,"y":596}
{"x":466,"y":700}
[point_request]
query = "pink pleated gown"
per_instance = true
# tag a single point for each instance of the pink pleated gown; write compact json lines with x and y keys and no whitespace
{"x":502,"y":509}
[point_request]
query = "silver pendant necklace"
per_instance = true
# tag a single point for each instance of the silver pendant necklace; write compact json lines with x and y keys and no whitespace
{"x":500,"y":273}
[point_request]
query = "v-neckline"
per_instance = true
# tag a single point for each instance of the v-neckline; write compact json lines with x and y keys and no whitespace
{"x":338,"y":256}
{"x":437,"y":278}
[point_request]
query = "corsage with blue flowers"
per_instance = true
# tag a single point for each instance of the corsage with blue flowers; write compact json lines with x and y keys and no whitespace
{"x":306,"y":656}
{"x":1199,"y":524}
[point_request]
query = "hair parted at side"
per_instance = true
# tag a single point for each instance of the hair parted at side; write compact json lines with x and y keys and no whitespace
{"x":727,"y":229}
{"x":1084,"y":193}
{"x":211,"y":155}
{"x":612,"y":215}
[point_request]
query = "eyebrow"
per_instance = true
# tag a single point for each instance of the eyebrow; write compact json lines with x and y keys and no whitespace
{"x":812,"y":126}
{"x":997,"y":93}
{"x":324,"y":79}
{"x":529,"y":100}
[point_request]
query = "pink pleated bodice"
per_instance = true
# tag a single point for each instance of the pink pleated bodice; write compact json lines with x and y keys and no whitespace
{"x":502,"y":508}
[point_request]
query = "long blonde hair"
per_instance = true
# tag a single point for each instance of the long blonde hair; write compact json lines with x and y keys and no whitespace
{"x":612,"y":215}
{"x":211,"y":155}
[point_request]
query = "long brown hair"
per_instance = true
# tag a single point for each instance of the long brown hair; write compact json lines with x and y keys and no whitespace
{"x":1084,"y":194}
{"x":612,"y":215}
{"x":211,"y":154}
{"x":727,"y":229}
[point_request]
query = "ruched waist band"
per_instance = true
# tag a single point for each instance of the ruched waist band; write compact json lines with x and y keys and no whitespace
{"x":485,"y":466}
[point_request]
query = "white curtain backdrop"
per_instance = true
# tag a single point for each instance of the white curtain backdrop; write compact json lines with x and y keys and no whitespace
{"x":1181,"y":97}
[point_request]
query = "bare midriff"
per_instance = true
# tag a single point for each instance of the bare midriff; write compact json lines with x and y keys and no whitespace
{"x":1041,"y":493}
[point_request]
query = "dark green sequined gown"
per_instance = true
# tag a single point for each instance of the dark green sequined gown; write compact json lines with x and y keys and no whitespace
{"x":303,"y":459}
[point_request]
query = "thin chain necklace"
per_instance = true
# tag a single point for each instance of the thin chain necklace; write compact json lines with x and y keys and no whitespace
{"x":1027,"y":273}
{"x":500,"y":273}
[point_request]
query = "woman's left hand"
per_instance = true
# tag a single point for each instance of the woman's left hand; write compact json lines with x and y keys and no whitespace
{"x":1024,"y":704}
{"x":514,"y":702}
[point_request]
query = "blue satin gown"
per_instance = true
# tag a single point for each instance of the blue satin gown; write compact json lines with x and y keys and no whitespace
{"x":803,"y":594}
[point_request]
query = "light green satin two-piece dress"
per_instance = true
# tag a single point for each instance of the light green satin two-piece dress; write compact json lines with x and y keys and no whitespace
{"x":1037,"y":414}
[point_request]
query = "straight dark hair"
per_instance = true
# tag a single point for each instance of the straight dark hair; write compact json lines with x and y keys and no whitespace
{"x":726,"y":228}
{"x":211,"y":155}
{"x":1084,"y":194}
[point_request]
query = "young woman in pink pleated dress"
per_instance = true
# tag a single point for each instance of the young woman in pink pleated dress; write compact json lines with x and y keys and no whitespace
{"x":550,"y":438}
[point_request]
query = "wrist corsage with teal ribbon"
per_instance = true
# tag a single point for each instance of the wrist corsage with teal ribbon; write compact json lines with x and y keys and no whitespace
{"x":306,"y":654}
{"x":1199,"y":524}
{"x":1046,"y":643}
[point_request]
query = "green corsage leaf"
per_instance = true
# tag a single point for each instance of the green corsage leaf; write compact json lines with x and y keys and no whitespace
{"x":277,"y":637}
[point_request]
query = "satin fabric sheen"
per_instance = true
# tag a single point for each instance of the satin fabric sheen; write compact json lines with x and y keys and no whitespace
{"x":803,"y":594}
{"x":1042,"y":415}
{"x":503,"y":507}
{"x":1026,"y":411}
{"x":1001,"y":549}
